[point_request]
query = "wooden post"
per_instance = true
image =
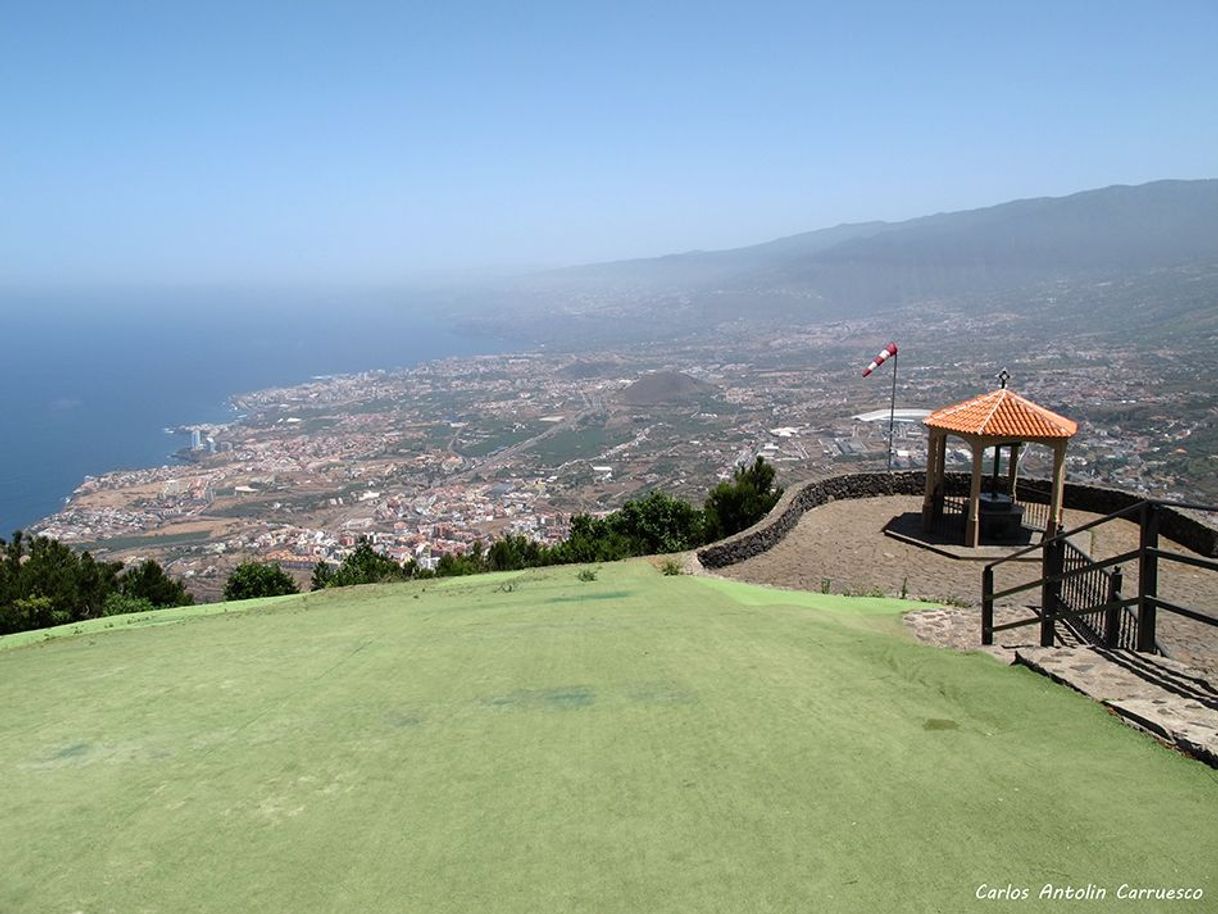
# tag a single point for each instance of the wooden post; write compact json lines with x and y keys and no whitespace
{"x":987,"y":605}
{"x":932,"y":471}
{"x":940,"y":476}
{"x":972,"y":532}
{"x":1013,"y":471}
{"x":1052,"y":555}
{"x":1148,"y":577}
{"x":1054,"y":525}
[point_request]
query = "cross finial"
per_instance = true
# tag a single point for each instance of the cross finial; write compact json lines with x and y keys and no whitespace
{"x":1003,"y":377}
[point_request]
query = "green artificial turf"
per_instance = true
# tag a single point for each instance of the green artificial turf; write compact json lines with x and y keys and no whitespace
{"x":532,"y":743}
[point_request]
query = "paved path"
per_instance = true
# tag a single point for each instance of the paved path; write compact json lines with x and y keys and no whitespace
{"x":1169,"y":700}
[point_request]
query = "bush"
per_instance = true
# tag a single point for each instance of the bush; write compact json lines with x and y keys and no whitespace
{"x":587,"y":574}
{"x":365,"y":566}
{"x":659,"y":523}
{"x":119,"y":604}
{"x":33,"y":612}
{"x":671,"y":567}
{"x":455,"y":566}
{"x":254,"y":579}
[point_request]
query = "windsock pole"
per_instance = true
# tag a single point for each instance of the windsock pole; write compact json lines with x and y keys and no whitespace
{"x":892,"y":411}
{"x":888,"y":352}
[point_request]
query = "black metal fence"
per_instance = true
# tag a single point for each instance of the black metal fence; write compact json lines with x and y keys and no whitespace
{"x":1035,"y":514}
{"x":1089,"y":601}
{"x":950,"y":517}
{"x":1085,"y":594}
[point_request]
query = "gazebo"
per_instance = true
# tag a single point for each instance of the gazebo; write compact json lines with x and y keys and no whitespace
{"x":995,"y":420}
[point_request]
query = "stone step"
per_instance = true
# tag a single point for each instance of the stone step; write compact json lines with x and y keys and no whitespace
{"x":1163,"y":697}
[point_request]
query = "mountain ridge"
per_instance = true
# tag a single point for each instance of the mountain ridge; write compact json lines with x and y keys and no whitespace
{"x":1013,"y":255}
{"x":855,"y":234}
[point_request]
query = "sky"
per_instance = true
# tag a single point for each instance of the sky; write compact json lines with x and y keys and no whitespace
{"x":363,"y":142}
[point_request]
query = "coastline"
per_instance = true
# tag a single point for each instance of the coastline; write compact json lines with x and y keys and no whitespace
{"x":102,"y":398}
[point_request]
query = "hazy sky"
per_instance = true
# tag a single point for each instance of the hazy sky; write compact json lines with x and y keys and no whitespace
{"x":305,"y":141}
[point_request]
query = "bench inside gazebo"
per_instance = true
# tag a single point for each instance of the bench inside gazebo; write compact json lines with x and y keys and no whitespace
{"x":1001,"y":420}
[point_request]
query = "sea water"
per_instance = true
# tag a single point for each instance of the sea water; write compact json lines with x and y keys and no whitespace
{"x":90,"y":382}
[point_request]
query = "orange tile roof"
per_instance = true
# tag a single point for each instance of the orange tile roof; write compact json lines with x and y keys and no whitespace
{"x":1002,"y":414}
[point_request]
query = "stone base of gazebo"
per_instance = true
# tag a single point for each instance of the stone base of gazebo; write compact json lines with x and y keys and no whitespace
{"x":946,"y":538}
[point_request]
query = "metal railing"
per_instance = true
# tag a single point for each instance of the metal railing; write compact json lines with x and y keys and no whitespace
{"x":1035,"y":513}
{"x":952,"y":513}
{"x":1089,"y":601}
{"x":1084,"y":594}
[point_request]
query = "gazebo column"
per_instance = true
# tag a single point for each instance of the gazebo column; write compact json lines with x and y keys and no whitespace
{"x":1054,"y":525}
{"x":941,"y":482}
{"x":972,"y":532}
{"x":934,"y":471}
{"x":1013,"y":470}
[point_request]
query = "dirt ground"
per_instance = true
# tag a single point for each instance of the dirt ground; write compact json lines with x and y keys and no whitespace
{"x":841,"y":547}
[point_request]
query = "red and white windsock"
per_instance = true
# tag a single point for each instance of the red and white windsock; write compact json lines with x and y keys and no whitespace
{"x":885,"y":354}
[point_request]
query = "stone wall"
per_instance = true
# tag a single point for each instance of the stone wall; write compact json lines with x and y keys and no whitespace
{"x":1189,"y":531}
{"x":794,"y":502}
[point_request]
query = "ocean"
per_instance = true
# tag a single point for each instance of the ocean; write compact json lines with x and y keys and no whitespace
{"x":90,"y":382}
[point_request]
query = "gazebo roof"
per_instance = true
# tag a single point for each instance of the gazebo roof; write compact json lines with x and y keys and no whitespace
{"x":1002,"y":414}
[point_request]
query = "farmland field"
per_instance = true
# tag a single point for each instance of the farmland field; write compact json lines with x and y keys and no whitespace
{"x":530,"y":742}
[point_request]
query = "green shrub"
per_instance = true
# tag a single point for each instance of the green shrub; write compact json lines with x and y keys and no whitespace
{"x":671,"y":567}
{"x":120,"y":604}
{"x":251,"y":580}
{"x":587,"y":574}
{"x":363,"y":566}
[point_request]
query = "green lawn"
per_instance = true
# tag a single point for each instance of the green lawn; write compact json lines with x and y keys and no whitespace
{"x":639,"y":743}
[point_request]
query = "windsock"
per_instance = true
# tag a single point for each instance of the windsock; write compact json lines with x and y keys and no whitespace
{"x":885,"y":354}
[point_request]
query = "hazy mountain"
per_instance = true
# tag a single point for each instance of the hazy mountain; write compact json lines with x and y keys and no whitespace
{"x":963,"y":258}
{"x":695,"y":269}
{"x":1116,"y":230}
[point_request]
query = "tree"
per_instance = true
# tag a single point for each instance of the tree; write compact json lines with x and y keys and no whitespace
{"x":659,"y":523}
{"x":44,"y":582}
{"x":737,"y":505}
{"x":451,"y":565}
{"x":513,"y":552}
{"x":148,"y":580}
{"x":75,"y":584}
{"x":323,"y":575}
{"x":256,"y":579}
{"x":366,"y":566}
{"x":592,"y":539}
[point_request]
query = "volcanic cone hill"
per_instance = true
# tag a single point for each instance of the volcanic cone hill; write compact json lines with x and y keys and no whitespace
{"x":666,"y":388}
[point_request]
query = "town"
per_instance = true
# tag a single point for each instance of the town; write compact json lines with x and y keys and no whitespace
{"x":429,"y":460}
